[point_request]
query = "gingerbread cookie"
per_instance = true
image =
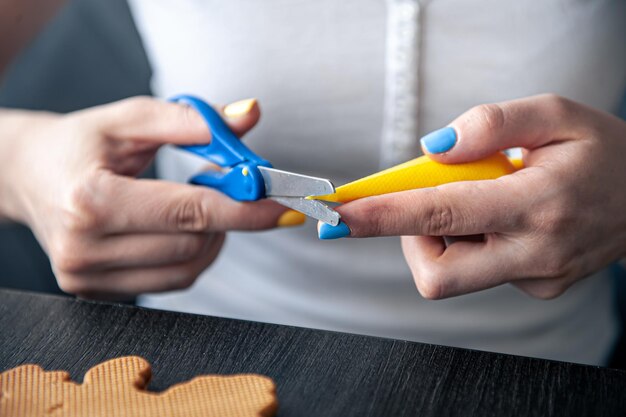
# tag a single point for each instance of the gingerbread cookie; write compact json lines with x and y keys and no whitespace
{"x":117,"y":388}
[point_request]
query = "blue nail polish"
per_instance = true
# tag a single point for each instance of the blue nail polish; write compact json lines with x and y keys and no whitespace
{"x":439,"y":141}
{"x":327,"y":232}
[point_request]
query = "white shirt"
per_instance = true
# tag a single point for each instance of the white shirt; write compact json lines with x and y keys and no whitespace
{"x":340,"y":80}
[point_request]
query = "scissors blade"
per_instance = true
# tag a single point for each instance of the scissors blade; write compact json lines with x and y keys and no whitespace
{"x":312,"y":208}
{"x":289,"y":184}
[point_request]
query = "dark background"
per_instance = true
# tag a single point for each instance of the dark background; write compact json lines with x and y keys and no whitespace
{"x":91,"y":54}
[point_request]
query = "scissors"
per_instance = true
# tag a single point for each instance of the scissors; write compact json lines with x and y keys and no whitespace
{"x":245,"y":176}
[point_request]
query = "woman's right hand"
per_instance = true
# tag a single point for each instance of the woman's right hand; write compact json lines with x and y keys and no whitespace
{"x":544,"y":227}
{"x":71,"y":178}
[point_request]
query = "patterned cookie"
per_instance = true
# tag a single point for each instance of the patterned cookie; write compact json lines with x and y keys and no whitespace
{"x":117,"y":388}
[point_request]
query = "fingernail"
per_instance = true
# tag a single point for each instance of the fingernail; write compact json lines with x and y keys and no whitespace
{"x":439,"y":141}
{"x":239,"y":108}
{"x":328,"y":232}
{"x":291,"y":218}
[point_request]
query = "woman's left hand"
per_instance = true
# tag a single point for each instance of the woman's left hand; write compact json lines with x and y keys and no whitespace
{"x":545,"y":227}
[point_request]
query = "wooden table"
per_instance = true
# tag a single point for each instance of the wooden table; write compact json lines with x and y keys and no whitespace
{"x":318,"y":373}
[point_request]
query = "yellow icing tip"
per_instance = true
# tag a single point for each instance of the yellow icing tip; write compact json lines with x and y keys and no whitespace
{"x":328,"y":197}
{"x":239,"y":108}
{"x":291,"y":218}
{"x":518,"y":163}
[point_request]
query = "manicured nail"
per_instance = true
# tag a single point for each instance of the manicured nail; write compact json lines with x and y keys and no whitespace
{"x":327,"y":232}
{"x":291,"y":218}
{"x":239,"y":108}
{"x":439,"y":141}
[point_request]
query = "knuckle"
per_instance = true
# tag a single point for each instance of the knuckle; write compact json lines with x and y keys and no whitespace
{"x":71,"y":284}
{"x":68,"y":263}
{"x":489,"y":116}
{"x":191,"y":215}
{"x":561,"y":106}
{"x":67,"y":255}
{"x":429,"y":283}
{"x":80,"y":212}
{"x":440,"y":221}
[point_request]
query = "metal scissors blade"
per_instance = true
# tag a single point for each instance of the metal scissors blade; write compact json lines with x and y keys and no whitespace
{"x":289,"y":184}
{"x":291,"y":189}
{"x":312,"y":208}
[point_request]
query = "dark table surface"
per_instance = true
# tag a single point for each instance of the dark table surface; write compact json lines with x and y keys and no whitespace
{"x":318,"y":373}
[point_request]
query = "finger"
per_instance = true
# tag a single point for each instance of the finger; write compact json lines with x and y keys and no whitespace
{"x":544,"y":288}
{"x":146,"y":119}
{"x":133,"y":251}
{"x":454,"y":209}
{"x":461,"y":268}
{"x":129,"y":205}
{"x":125,"y":283}
{"x":241,"y":115}
{"x":528,"y":123}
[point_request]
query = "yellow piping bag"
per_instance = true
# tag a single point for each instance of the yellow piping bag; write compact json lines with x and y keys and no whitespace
{"x":422,"y":172}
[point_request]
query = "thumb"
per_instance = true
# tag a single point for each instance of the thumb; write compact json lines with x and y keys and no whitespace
{"x":528,"y":123}
{"x":147,"y":119}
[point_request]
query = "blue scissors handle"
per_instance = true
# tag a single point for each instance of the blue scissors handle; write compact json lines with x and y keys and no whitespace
{"x":225,"y":149}
{"x":243,"y":182}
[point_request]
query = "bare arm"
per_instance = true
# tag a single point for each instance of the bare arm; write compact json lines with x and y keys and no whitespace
{"x":11,"y":122}
{"x":20,"y":21}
